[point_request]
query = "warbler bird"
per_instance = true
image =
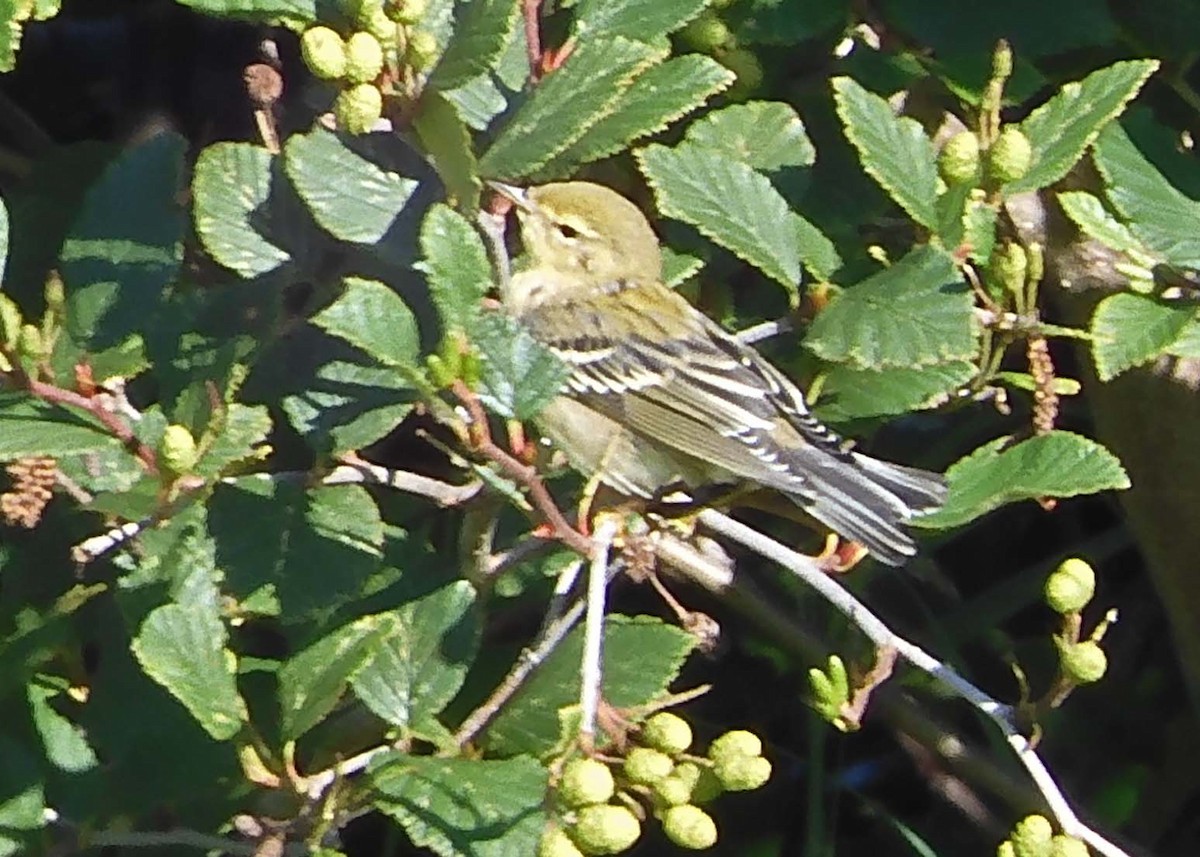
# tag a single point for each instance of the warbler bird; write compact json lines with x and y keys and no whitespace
{"x":659,"y":396}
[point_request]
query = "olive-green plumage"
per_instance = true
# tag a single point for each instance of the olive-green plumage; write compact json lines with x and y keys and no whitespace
{"x":660,"y":396}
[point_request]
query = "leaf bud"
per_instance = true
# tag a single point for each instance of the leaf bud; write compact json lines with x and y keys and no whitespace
{"x":10,"y":321}
{"x":706,"y":34}
{"x":647,"y":766}
{"x":177,"y":452}
{"x":1008,"y":267}
{"x":1067,"y":846}
{"x":667,"y":732}
{"x":1083,"y":662}
{"x":30,"y":344}
{"x":605,"y":829}
{"x":958,"y":161}
{"x":1031,"y":837}
{"x":1070,"y":586}
{"x":358,"y":108}
{"x":364,"y":58}
{"x":585,"y":782}
{"x":742,"y":773}
{"x":690,"y":827}
{"x":735,"y":743}
{"x":56,"y":294}
{"x":324,"y":53}
{"x":1010,"y":156}
{"x":556,"y":843}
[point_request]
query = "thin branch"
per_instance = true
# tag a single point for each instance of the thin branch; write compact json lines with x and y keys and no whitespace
{"x":531,"y":14}
{"x":590,"y":671}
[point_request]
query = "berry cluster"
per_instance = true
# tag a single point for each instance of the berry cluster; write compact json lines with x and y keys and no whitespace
{"x":384,"y":44}
{"x":601,"y":806}
{"x":709,"y":34}
{"x":1034,"y":837}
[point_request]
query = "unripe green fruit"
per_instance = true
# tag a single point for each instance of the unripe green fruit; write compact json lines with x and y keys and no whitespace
{"x":1031,"y":837}
{"x":358,"y":108}
{"x":748,"y":69}
{"x":556,"y":843}
{"x":706,"y":33}
{"x":742,"y":773}
{"x":585,"y":782}
{"x":177,"y":451}
{"x":1083,"y":662}
{"x":406,"y":11}
{"x":667,"y":732}
{"x":422,"y":50}
{"x":737,"y":742}
{"x":647,"y":766}
{"x":708,"y":787}
{"x":381,"y":27}
{"x":364,"y":58}
{"x":673,"y":791}
{"x":1010,"y":156}
{"x":690,"y":827}
{"x":324,"y":53}
{"x":1005,"y":849}
{"x":958,"y":161}
{"x":1071,"y":586}
{"x":1067,"y":846}
{"x":605,"y":829}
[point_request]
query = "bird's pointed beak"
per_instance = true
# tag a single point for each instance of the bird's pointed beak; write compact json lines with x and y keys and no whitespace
{"x":517,"y":195}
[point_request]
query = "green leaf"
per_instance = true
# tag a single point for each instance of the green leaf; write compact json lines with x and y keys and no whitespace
{"x":634,"y":19}
{"x":916,"y":313}
{"x":817,"y":252}
{"x":350,"y":197}
{"x":125,"y":246}
{"x":30,"y":427}
{"x":22,"y":796}
{"x":1093,"y":219}
{"x":66,"y":743}
{"x":478,"y":102}
{"x":463,"y":807}
{"x":894,"y":150}
{"x":852,"y":393}
{"x":765,"y":135}
{"x":243,"y":431}
{"x":481,"y":31}
{"x":312,"y":682}
{"x":370,"y":316}
{"x":519,"y":376}
{"x":728,"y":202}
{"x":183,"y":648}
{"x":1131,"y":330}
{"x":1068,"y":123}
{"x":456,"y":264}
{"x":447,"y":144}
{"x":642,"y":656}
{"x":271,"y":11}
{"x":311,"y":550}
{"x":657,"y":98}
{"x":231,"y":189}
{"x":1156,"y":211}
{"x":564,"y":105}
{"x":1058,"y":464}
{"x":420,"y":663}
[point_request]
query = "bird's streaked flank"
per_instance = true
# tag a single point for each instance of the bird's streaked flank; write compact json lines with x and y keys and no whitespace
{"x":660,"y":396}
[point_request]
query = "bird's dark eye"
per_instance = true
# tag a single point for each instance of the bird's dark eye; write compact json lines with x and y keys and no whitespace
{"x":567,"y":231}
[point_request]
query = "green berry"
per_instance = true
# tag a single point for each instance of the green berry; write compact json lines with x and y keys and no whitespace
{"x":1005,"y":849}
{"x":422,"y":50}
{"x":667,"y":732}
{"x":381,"y":27}
{"x":690,"y":827}
{"x":364,"y":58}
{"x":647,"y":766}
{"x":1071,"y":586}
{"x":358,"y":108}
{"x":1067,"y":846}
{"x":177,"y":451}
{"x":689,"y":772}
{"x":748,"y":69}
{"x":556,"y":843}
{"x":406,"y":11}
{"x":737,"y":742}
{"x":605,"y":829}
{"x":324,"y":53}
{"x":585,"y":782}
{"x":1083,"y":662}
{"x":1010,"y":156}
{"x":708,"y":787}
{"x":1031,"y":837}
{"x":958,"y":161}
{"x":706,"y":33}
{"x":742,"y":773}
{"x":673,"y":791}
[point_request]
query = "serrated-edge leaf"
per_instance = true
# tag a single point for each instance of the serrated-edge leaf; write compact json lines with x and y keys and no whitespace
{"x":480,"y":35}
{"x":456,"y":264}
{"x":766,"y":135}
{"x":565,"y":105}
{"x":1061,"y":129}
{"x":31,"y":427}
{"x":852,"y":393}
{"x":518,"y":375}
{"x":1131,"y":330}
{"x":351,"y":198}
{"x":894,"y":150}
{"x":371,"y":316}
{"x":656,"y":98}
{"x":635,"y":19}
{"x":729,"y":203}
{"x":1058,"y":464}
{"x":1089,"y":214}
{"x":447,"y":144}
{"x":817,"y":253}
